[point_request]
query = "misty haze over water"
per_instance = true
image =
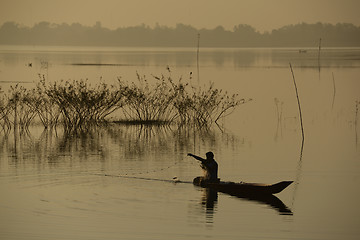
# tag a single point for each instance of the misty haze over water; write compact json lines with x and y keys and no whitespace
{"x":65,"y":186}
{"x":242,"y":35}
{"x":134,"y":181}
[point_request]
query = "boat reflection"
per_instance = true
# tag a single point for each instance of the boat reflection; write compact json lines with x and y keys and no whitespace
{"x":210,"y":199}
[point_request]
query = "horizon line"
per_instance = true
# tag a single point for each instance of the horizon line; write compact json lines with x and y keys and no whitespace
{"x":158,"y":25}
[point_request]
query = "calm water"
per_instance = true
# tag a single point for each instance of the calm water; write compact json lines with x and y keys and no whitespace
{"x":115,"y":182}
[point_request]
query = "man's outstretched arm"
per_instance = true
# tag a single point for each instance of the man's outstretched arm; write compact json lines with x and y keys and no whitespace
{"x":196,"y":157}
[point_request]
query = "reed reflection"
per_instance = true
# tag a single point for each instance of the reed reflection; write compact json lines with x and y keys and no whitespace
{"x":50,"y":148}
{"x":100,"y":144}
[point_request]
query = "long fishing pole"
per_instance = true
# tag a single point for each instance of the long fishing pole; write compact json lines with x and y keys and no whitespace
{"x":133,"y":175}
{"x":174,"y":180}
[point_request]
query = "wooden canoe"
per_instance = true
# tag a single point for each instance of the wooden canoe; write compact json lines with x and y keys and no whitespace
{"x":242,"y":188}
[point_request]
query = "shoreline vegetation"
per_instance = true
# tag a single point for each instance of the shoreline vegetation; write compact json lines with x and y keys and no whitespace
{"x":77,"y":105}
{"x":242,"y":35}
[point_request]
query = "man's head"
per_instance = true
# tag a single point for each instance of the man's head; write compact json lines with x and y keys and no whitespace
{"x":209,"y":155}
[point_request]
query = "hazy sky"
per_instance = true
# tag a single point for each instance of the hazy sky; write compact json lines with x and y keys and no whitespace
{"x":261,"y":14}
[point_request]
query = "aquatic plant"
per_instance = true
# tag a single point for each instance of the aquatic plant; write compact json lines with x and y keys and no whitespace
{"x":77,"y":105}
{"x":210,"y":104}
{"x":20,"y":106}
{"x":279,"y":108}
{"x":17,"y":111}
{"x":169,"y":100}
{"x":147,"y":102}
{"x":205,"y":104}
{"x":4,"y":112}
{"x":80,"y":104}
{"x":47,"y":111}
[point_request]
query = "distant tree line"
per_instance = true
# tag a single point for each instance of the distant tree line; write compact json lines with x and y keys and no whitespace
{"x":242,"y":35}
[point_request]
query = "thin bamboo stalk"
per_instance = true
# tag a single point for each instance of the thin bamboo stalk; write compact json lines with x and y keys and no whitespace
{"x":333,"y":101}
{"x":319,"y":54}
{"x":197,"y":58}
{"x":298,"y":101}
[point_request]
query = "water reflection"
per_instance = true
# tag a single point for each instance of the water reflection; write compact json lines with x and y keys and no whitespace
{"x":104,"y":144}
{"x":210,"y":200}
{"x":101,"y":62}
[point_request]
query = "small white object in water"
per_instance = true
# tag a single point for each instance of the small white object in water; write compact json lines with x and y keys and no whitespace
{"x":175,"y":179}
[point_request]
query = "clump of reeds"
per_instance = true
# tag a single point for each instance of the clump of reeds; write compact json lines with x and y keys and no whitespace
{"x":146,"y":102}
{"x":210,"y":104}
{"x":77,"y":104}
{"x":20,"y":106}
{"x":169,"y":101}
{"x":80,"y":104}
{"x":15,"y":107}
{"x":3,"y":111}
{"x":45,"y":107}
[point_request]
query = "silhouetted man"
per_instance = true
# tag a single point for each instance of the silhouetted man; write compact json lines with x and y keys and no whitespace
{"x":209,"y":165}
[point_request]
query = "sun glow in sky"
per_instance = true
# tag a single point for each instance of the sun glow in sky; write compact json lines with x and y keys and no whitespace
{"x":264,"y":15}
